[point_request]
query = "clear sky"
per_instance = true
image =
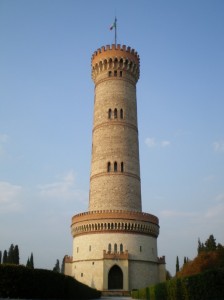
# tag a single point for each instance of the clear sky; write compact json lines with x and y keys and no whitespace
{"x":46,"y":116}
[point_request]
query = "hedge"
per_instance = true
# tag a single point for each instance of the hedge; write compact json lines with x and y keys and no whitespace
{"x":207,"y":286}
{"x":22,"y":282}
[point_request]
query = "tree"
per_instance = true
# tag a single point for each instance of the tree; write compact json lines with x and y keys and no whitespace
{"x":57,"y":266}
{"x":0,"y":257}
{"x":168,"y":275}
{"x":11,"y":254}
{"x":28,"y":263}
{"x":201,"y":246}
{"x":63,"y":265}
{"x":16,"y":255}
{"x":177,"y":265}
{"x":31,"y":261}
{"x":5,"y":257}
{"x":210,"y":244}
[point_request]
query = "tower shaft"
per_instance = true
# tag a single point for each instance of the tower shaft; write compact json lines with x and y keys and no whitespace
{"x":115,"y":171}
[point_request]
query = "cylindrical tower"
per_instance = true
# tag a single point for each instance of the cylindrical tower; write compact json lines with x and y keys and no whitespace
{"x":115,"y":243}
{"x":115,"y":172}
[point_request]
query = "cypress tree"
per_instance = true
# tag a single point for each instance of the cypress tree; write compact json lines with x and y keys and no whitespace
{"x":16,"y":255}
{"x":31,"y":261}
{"x":11,"y":255}
{"x":0,"y":257}
{"x":5,"y":257}
{"x":177,"y":265}
{"x":28,"y":263}
{"x":57,"y":266}
{"x":63,"y":265}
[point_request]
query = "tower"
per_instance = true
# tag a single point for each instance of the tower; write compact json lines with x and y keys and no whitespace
{"x":114,"y":242}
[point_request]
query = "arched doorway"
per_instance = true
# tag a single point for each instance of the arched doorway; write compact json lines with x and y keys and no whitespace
{"x":115,"y":278}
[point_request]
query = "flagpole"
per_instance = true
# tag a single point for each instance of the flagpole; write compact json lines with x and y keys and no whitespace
{"x":115,"y":32}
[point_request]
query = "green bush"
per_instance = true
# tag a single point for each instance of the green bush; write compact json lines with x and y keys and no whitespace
{"x":208,"y":285}
{"x":21,"y":282}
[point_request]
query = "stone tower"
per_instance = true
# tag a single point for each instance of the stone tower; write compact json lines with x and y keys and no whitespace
{"x":115,"y":243}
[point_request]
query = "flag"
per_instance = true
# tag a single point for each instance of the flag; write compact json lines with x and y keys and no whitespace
{"x":113,"y":25}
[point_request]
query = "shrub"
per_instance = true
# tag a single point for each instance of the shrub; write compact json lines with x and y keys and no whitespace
{"x":22,"y":282}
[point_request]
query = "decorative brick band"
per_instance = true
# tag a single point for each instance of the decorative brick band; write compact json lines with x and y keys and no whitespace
{"x":123,"y":78}
{"x":131,"y":222}
{"x":118,"y":123}
{"x":114,"y":174}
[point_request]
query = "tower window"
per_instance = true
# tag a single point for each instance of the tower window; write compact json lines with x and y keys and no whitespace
{"x":120,"y":73}
{"x":115,"y":113}
{"x":77,"y":249}
{"x":115,"y":73}
{"x":115,"y":166}
{"x":140,"y":248}
{"x":115,"y":248}
{"x":121,"y":247}
{"x":109,"y":73}
{"x":81,"y":274}
{"x":121,"y":113}
{"x":122,"y":166}
{"x":109,"y":248}
{"x":109,"y":113}
{"x":108,"y":166}
{"x":89,"y":247}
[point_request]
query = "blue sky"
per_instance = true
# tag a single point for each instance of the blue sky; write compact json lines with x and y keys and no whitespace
{"x":46,"y":115}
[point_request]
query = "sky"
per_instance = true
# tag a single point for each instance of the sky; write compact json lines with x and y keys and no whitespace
{"x":46,"y":117}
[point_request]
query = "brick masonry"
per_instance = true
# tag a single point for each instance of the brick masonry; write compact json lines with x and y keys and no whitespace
{"x":115,"y":231}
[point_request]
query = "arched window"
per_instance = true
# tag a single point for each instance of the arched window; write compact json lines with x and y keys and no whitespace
{"x":115,"y":166}
{"x":108,"y":166}
{"x":122,"y":166}
{"x":109,"y":73}
{"x":115,"y":113}
{"x":109,"y":248}
{"x":115,"y":248}
{"x":120,"y":73}
{"x":121,"y":113}
{"x":109,"y":113}
{"x":115,"y":73}
{"x":121,"y":248}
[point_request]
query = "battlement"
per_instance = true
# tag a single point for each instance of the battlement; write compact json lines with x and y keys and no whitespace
{"x":68,"y":259}
{"x":162,"y":260}
{"x":120,"y":50}
{"x":115,"y":255}
{"x":116,"y":58}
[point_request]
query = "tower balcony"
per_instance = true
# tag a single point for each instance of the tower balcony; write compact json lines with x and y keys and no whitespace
{"x":115,"y":255}
{"x":107,"y":221}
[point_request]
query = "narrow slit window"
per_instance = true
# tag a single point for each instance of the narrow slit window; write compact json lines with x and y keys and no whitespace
{"x":115,"y":166}
{"x":115,"y":113}
{"x":122,"y":166}
{"x":120,"y":73}
{"x":109,"y":248}
{"x":109,"y":73}
{"x":121,"y":248}
{"x":109,"y":113}
{"x":121,"y":113}
{"x":108,"y":166}
{"x":115,"y":248}
{"x":115,"y":73}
